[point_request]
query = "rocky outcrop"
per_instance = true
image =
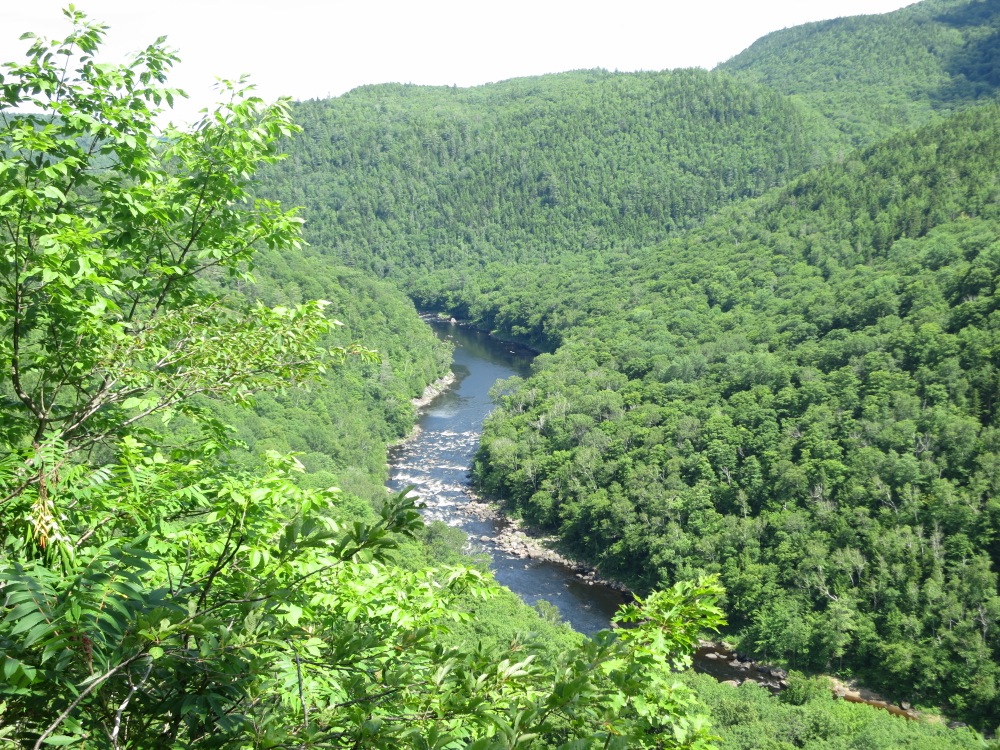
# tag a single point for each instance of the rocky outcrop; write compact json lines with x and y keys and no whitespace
{"x":433,"y":390}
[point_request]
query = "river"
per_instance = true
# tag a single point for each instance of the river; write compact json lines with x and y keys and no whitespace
{"x":437,"y":460}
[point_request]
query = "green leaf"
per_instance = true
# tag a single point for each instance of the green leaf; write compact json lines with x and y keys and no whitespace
{"x":10,"y":666}
{"x":51,"y":191}
{"x":27,"y":622}
{"x":61,"y":740}
{"x":293,"y":613}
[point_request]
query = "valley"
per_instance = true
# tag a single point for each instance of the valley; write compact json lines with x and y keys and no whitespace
{"x":760,"y":312}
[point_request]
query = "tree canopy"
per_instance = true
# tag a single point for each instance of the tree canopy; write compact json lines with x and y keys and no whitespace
{"x":777,"y":378}
{"x":870,"y":75}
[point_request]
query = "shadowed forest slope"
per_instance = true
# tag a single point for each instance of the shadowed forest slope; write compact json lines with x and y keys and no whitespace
{"x":870,"y":75}
{"x":801,"y":397}
{"x":408,"y":180}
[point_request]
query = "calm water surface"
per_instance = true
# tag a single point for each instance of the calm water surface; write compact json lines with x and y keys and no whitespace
{"x":438,"y":460}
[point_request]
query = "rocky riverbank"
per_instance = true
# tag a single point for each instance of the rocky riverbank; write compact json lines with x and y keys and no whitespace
{"x":525,"y":543}
{"x":424,"y":400}
{"x":732,"y":668}
{"x":433,"y":390}
{"x":855,"y":693}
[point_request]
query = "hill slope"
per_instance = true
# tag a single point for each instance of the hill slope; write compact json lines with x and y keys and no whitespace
{"x":873,"y":74}
{"x":801,"y":397}
{"x":406,"y":180}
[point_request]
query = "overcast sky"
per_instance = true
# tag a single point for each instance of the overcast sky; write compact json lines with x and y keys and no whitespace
{"x":308,"y":49}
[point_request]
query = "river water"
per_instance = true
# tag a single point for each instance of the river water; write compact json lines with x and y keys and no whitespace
{"x":437,"y":461}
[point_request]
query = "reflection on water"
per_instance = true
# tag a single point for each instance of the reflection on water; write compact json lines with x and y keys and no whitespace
{"x":437,"y":463}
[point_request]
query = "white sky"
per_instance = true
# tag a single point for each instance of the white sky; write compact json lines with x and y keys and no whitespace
{"x":310,"y":48}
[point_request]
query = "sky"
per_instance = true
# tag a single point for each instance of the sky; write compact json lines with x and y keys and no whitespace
{"x":314,"y":48}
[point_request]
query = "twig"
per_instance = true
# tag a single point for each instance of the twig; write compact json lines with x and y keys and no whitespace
{"x":124,"y":704}
{"x":302,"y":696}
{"x":86,"y":691}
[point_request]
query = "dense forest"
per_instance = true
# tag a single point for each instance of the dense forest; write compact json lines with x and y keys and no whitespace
{"x":339,"y":427}
{"x":408,"y":180}
{"x":162,"y":587}
{"x":871,"y":74}
{"x":767,"y":297}
{"x":801,"y":397}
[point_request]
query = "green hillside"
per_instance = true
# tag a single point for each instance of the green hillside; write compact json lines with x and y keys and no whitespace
{"x":768,"y":403}
{"x":408,"y":180}
{"x":339,"y":427}
{"x":160,"y":591}
{"x":790,"y":387}
{"x":800,"y":397}
{"x":870,"y":75}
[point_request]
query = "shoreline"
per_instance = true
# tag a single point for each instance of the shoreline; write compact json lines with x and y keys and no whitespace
{"x":723,"y":662}
{"x":527,"y":543}
{"x":421,"y":402}
{"x":433,"y":319}
{"x":433,"y":390}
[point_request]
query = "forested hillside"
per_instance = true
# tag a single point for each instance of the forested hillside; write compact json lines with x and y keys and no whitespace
{"x":871,"y":75}
{"x":408,"y":180}
{"x":800,"y":397}
{"x":339,"y":427}
{"x":773,"y":364}
{"x":792,"y":386}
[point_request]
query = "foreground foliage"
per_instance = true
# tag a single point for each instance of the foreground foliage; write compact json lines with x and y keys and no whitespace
{"x":226,"y":611}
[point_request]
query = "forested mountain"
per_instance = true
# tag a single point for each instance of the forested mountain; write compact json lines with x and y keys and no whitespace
{"x":773,"y":363}
{"x":408,"y":180}
{"x":801,"y":397}
{"x":157,"y":593}
{"x":870,"y":75}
